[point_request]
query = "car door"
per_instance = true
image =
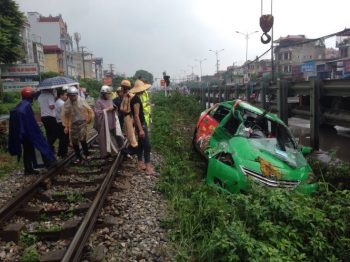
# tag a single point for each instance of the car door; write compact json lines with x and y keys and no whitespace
{"x":227,"y":127}
{"x":205,"y":129}
{"x":222,"y":173}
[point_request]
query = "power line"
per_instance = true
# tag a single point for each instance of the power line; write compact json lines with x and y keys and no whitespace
{"x":296,"y":44}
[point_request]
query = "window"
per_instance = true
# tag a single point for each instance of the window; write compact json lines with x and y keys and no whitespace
{"x":287,"y":69}
{"x":219,"y":113}
{"x":287,"y":56}
{"x":232,"y":125}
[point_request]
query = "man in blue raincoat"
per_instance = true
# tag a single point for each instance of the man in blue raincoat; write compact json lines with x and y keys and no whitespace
{"x":25,"y":134}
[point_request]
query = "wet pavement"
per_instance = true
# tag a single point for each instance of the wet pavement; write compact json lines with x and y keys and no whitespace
{"x":335,"y":139}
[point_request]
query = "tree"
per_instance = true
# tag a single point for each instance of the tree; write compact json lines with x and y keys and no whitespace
{"x":92,"y":86}
{"x":118,"y":79}
{"x":11,"y":24}
{"x":144,"y":75}
{"x":44,"y":75}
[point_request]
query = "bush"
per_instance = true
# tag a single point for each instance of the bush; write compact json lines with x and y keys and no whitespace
{"x":92,"y":86}
{"x":11,"y":97}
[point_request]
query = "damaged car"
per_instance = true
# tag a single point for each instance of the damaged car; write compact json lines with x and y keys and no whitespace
{"x":245,"y":144}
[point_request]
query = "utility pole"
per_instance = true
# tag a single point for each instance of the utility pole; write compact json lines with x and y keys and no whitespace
{"x":217,"y":59}
{"x":200,"y":61}
{"x":83,"y":58}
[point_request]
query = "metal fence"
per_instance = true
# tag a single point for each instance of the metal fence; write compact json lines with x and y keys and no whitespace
{"x":288,"y":99}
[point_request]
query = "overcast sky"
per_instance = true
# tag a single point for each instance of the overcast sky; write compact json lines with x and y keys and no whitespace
{"x":158,"y":35}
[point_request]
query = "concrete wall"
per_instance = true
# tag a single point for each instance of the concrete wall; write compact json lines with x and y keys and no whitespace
{"x":54,"y":63}
{"x":53,"y":33}
{"x":49,"y":32}
{"x":27,"y":44}
{"x":39,"y":56}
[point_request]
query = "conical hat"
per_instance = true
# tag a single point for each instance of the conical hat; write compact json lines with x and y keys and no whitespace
{"x":139,"y":87}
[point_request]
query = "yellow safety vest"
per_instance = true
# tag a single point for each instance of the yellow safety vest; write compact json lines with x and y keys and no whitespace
{"x":114,"y":95}
{"x":146,"y":103}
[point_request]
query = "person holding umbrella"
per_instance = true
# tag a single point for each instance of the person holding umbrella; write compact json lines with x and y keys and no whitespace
{"x":47,"y":104}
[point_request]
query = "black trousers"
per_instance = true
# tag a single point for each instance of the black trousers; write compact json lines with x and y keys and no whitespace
{"x":63,"y":141}
{"x":28,"y":153}
{"x":144,"y":147}
{"x":76,"y":148}
{"x":29,"y":156}
{"x":50,"y":125}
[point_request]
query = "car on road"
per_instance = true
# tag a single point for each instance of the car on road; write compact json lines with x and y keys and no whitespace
{"x":245,"y":144}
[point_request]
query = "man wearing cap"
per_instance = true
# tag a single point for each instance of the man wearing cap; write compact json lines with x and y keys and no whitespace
{"x":144,"y":146}
{"x":25,"y":134}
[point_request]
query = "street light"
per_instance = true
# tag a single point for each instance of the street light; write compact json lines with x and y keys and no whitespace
{"x":191,"y":68}
{"x":200,"y":61}
{"x":246,"y":35}
{"x":217,"y":58}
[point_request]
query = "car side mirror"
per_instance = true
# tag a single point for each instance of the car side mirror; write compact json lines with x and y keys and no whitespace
{"x":306,"y":150}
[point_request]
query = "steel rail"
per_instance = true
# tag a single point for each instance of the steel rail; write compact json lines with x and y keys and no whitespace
{"x":25,"y":195}
{"x":76,"y":246}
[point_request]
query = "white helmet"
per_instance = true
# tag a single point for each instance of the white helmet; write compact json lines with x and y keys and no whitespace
{"x":105,"y":90}
{"x":72,"y":90}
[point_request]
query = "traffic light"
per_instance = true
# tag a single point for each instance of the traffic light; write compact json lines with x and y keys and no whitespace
{"x":167,"y":80}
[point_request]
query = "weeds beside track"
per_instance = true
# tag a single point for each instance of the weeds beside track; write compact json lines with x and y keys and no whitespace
{"x":261,"y":225}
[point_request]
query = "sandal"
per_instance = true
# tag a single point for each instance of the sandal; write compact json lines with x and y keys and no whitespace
{"x":141,"y":166}
{"x":77,"y":161}
{"x":88,"y":157}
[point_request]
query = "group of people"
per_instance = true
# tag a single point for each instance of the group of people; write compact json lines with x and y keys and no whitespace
{"x":66,"y":118}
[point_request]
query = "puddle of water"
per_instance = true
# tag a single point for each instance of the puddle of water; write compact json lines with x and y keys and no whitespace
{"x":331,"y":139}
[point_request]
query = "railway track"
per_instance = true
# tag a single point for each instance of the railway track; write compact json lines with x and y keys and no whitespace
{"x":60,"y":209}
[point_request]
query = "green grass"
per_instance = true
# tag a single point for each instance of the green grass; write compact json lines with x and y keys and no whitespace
{"x":30,"y":254}
{"x":8,"y":164}
{"x":28,"y":239}
{"x":263,"y":224}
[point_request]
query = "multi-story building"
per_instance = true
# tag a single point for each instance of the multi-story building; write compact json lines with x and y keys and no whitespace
{"x":235,"y":75}
{"x":39,"y":57}
{"x":89,"y":65}
{"x":27,"y":43}
{"x":78,"y":65}
{"x":192,"y":78}
{"x":343,"y":43}
{"x":54,"y":59}
{"x":54,"y":32}
{"x":99,"y":68}
{"x":294,"y":50}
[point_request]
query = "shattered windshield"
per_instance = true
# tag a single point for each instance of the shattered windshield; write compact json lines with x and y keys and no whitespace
{"x":291,"y":156}
{"x":271,"y":137}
